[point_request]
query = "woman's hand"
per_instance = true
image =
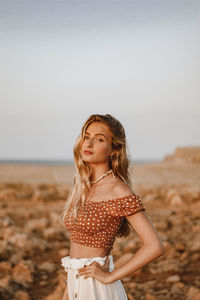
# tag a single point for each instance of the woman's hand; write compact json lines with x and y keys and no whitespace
{"x":97,"y":272}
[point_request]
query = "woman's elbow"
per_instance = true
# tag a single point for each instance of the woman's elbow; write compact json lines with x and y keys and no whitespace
{"x":160,"y":250}
{"x":157,"y":248}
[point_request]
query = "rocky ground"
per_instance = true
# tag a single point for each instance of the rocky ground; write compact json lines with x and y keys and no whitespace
{"x":33,"y":240}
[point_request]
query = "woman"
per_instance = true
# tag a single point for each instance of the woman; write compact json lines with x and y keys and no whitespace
{"x":101,"y":207}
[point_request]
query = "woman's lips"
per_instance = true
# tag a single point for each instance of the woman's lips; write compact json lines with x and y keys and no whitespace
{"x":88,"y":152}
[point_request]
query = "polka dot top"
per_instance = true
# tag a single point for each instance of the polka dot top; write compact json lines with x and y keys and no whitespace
{"x":99,"y":222}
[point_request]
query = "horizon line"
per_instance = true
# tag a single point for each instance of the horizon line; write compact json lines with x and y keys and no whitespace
{"x":66,"y":161}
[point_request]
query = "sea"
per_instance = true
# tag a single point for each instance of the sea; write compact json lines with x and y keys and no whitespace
{"x":65,"y":162}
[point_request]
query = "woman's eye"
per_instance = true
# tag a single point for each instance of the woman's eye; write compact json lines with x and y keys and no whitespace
{"x":100,"y":140}
{"x":86,"y":137}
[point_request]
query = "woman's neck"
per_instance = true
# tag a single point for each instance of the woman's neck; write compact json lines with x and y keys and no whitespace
{"x":98,"y":171}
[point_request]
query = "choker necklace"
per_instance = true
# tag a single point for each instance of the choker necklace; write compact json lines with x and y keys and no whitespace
{"x":102,"y":176}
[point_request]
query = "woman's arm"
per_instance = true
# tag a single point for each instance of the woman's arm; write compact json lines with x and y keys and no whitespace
{"x":151,"y":248}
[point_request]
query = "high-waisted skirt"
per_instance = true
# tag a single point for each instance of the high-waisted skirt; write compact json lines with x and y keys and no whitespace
{"x":90,"y":288}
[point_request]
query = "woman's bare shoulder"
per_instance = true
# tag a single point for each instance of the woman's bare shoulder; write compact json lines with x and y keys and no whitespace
{"x":120,"y":188}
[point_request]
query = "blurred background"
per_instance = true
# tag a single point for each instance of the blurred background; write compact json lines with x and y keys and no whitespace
{"x":60,"y":62}
{"x":64,"y":60}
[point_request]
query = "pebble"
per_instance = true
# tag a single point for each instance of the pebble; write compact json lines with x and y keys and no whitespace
{"x":176,"y":200}
{"x":173,"y":278}
{"x":31,"y":232}
{"x":193,"y":293}
{"x":47,"y":266}
{"x":22,"y":274}
{"x":150,"y":297}
{"x":21,"y":295}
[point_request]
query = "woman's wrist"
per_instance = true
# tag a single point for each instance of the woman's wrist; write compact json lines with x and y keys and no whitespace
{"x":111,"y":277}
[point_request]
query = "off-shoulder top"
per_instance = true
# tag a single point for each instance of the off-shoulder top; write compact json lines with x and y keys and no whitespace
{"x":99,"y":222}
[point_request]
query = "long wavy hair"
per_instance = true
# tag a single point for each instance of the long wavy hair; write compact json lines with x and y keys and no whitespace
{"x":119,"y":163}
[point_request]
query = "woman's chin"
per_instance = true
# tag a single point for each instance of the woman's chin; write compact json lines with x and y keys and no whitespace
{"x":91,"y":160}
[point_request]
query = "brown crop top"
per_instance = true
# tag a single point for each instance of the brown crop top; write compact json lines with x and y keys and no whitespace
{"x":99,"y":222}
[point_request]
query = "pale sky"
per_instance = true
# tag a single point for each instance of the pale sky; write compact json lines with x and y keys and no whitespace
{"x":61,"y":61}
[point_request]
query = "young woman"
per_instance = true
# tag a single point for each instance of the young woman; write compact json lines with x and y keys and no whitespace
{"x":101,"y":207}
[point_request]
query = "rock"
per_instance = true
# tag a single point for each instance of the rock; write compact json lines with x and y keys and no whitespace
{"x":131,"y":246}
{"x":149,"y":284}
{"x":149,"y":198}
{"x":44,"y":276}
{"x":130,"y":297}
{"x":170,"y":193}
{"x":37,"y":225}
{"x":197,"y":296}
{"x":22,"y":241}
{"x":16,"y":257}
{"x":176,"y":200}
{"x":127,"y":279}
{"x":169,"y":265}
{"x":7,"y":232}
{"x":179,"y":247}
{"x":56,"y":295}
{"x":179,"y":284}
{"x":5,"y":250}
{"x":19,"y":239}
{"x":4,"y":282}
{"x":177,"y":223}
{"x":183,"y":256}
{"x":37,"y":196}
{"x":59,"y":290}
{"x":39,"y":244}
{"x":195,"y":257}
{"x":52,"y":233}
{"x":196,"y":228}
{"x":7,"y":194}
{"x":132,"y":285}
{"x":169,"y":249}
{"x":195,"y":245}
{"x":32,"y":230}
{"x":45,"y":193}
{"x":47,"y":266}
{"x":22,"y":274}
{"x":150,"y":297}
{"x":177,"y":288}
{"x":173,"y":278}
{"x":63,"y":252}
{"x":185,"y":154}
{"x":5,"y":268}
{"x":63,"y":191}
{"x":43,"y":283}
{"x":161,"y":225}
{"x":193,"y":293}
{"x":21,"y":295}
{"x":54,"y":217}
{"x":7,"y":221}
{"x":195,"y":212}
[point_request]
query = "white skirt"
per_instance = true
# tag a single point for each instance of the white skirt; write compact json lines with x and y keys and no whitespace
{"x":90,"y":288}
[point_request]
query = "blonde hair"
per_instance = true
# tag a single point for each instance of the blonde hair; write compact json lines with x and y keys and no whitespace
{"x":119,"y":163}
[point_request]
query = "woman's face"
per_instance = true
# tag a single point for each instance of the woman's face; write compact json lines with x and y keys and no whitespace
{"x":97,"y":143}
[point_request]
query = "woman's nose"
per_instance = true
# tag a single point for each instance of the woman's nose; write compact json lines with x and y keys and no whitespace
{"x":90,"y":142}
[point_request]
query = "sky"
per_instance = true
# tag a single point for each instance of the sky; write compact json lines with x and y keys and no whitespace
{"x":62,"y":61}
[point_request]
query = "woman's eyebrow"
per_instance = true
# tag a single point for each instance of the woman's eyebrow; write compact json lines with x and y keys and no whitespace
{"x":96,"y":134}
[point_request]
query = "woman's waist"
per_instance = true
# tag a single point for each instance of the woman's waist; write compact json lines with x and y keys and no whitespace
{"x":82,"y":251}
{"x":76,"y":263}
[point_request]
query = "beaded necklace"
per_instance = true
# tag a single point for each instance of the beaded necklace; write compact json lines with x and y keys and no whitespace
{"x":102,"y":176}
